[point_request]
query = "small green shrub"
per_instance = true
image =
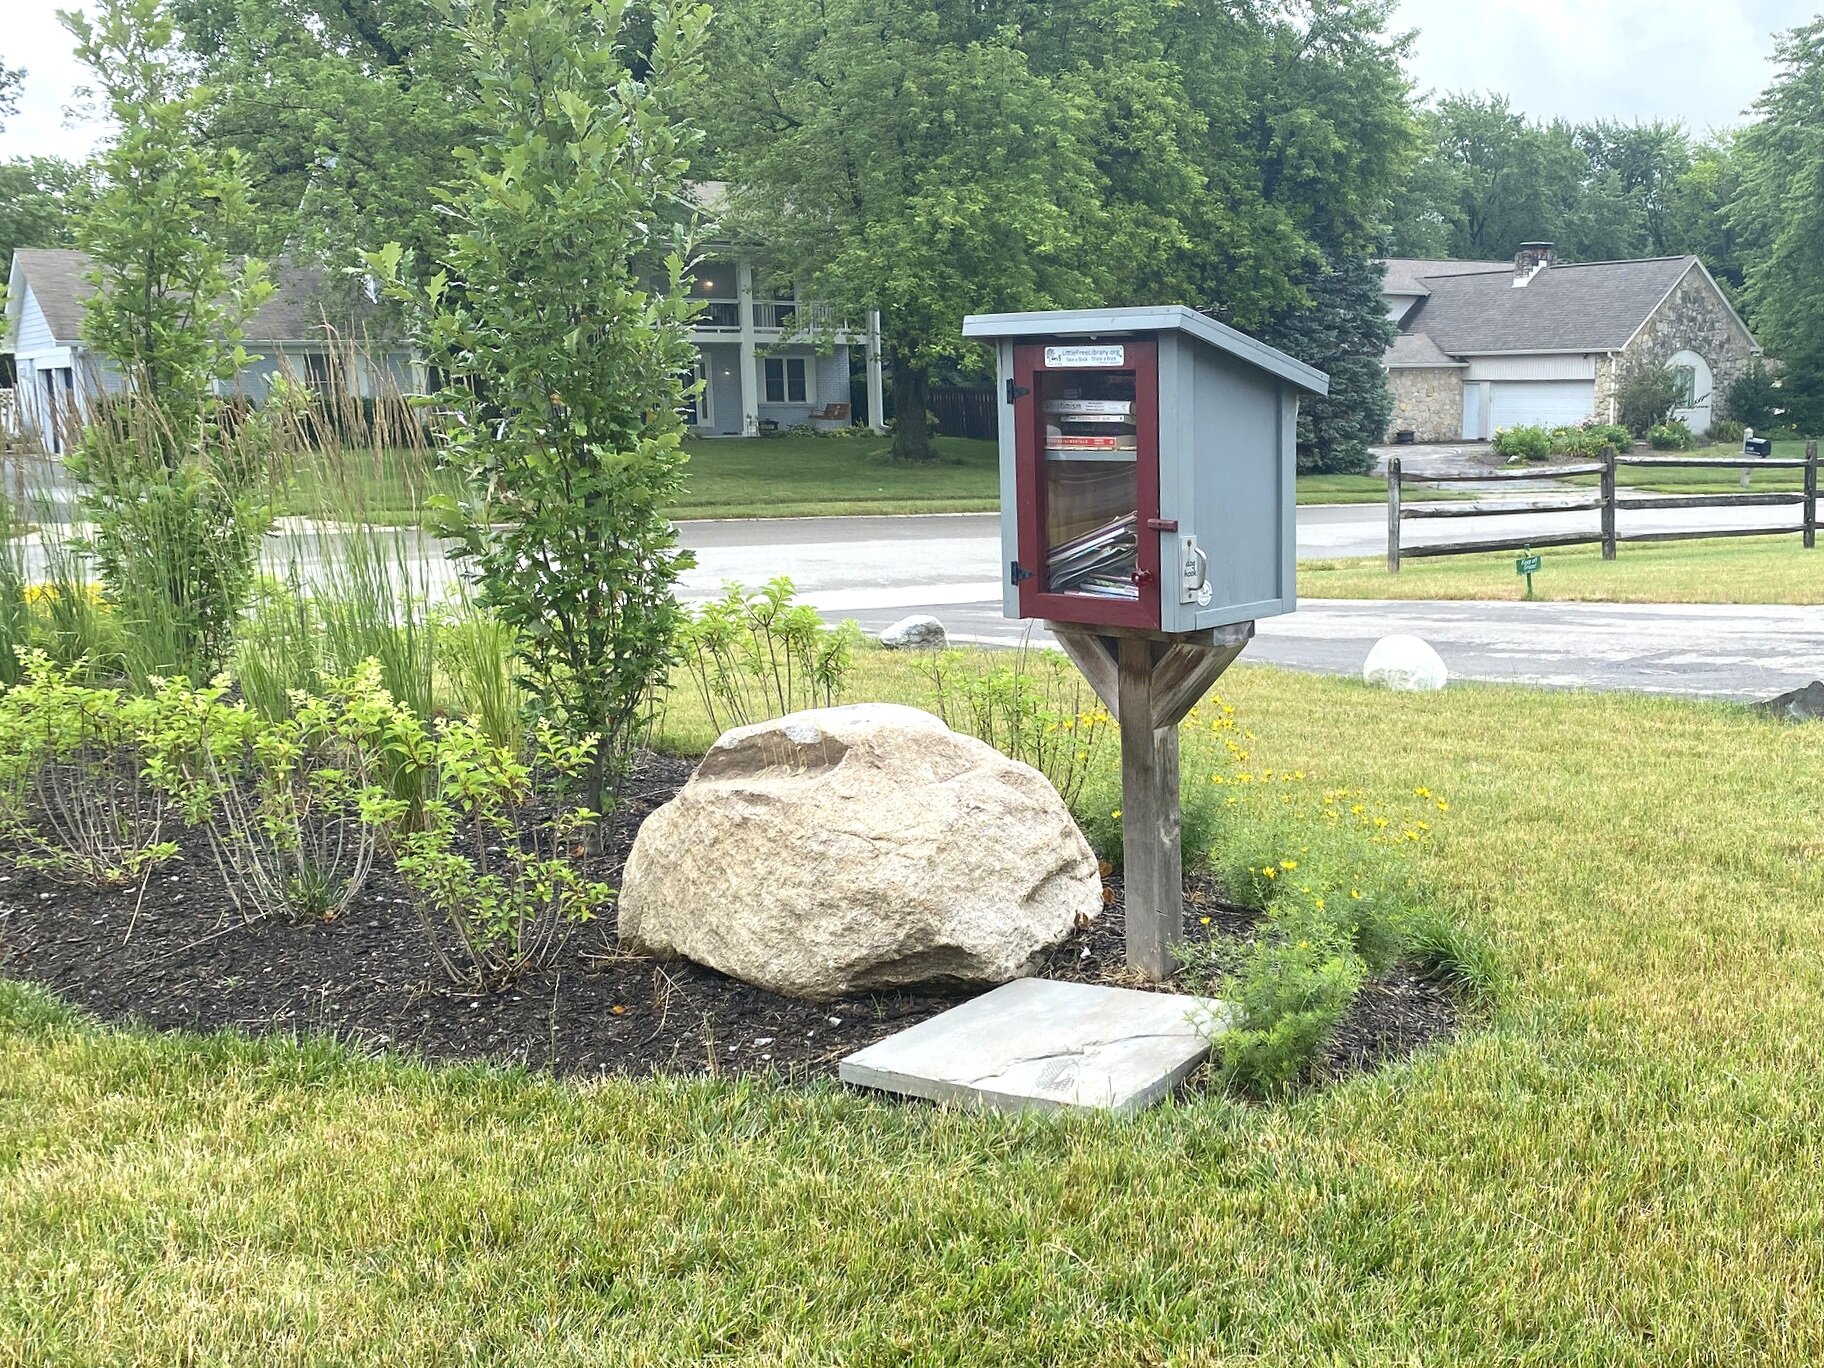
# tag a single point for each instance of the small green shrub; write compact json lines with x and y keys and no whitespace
{"x":1726,"y":432}
{"x":493,"y":889}
{"x":76,"y":800}
{"x":1671,"y":436}
{"x":1523,"y":443}
{"x":1291,"y":992}
{"x":1449,"y":953}
{"x":294,"y":806}
{"x":1586,"y":441}
{"x":759,"y":655}
{"x":1646,"y":398}
{"x":1753,"y":398}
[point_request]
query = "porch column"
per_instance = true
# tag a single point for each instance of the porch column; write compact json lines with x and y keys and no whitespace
{"x":744,"y":307}
{"x":877,"y":396}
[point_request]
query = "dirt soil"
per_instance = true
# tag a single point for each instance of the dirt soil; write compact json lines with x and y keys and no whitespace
{"x":182,"y":957}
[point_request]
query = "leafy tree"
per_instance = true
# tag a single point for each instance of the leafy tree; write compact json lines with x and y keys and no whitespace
{"x":10,"y":80}
{"x":1343,"y":331}
{"x":564,"y":359}
{"x":170,"y":499}
{"x":894,"y":160}
{"x":1779,"y":212}
{"x":346,"y":113}
{"x":933,"y":160}
{"x":40,"y":201}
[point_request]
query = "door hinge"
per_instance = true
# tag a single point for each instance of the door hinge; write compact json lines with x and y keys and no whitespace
{"x":1016,"y":392}
{"x":1019,"y":573}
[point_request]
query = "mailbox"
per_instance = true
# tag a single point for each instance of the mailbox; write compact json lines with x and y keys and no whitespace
{"x":1147,"y":462}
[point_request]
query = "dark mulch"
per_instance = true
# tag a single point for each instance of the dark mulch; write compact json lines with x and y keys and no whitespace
{"x":182,"y":957}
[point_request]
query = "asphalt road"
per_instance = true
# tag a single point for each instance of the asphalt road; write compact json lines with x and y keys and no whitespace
{"x":876,"y":570}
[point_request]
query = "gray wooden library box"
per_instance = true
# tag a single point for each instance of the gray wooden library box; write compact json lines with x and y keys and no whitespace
{"x":1147,"y":467}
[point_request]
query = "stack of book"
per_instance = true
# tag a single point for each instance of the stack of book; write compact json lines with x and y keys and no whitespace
{"x":1093,"y":425}
{"x":1100,"y":563}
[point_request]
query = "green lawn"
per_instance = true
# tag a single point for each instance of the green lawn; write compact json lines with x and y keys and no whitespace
{"x":1687,"y":481}
{"x":774,"y":477}
{"x":1722,"y":570}
{"x":785,"y":477}
{"x":1619,"y":1167}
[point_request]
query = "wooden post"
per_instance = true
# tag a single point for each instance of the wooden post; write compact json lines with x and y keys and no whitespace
{"x":1393,"y":515}
{"x":1811,"y":494}
{"x":1150,"y":681}
{"x":1608,"y":503}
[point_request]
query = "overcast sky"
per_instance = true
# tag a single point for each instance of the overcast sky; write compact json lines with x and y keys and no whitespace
{"x":1699,"y":61}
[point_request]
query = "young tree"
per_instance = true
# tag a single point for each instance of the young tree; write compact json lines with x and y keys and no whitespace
{"x":1780,"y":213}
{"x":562,"y":354}
{"x":175,"y":522}
{"x":169,"y":300}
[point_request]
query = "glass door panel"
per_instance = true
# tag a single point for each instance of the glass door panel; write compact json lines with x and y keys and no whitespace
{"x":1088,"y":474}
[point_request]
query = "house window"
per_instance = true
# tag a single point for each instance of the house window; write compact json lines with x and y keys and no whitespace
{"x":785,"y":380}
{"x":1687,"y":386}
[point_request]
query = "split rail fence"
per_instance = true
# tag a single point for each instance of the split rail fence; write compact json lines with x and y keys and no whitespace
{"x":1603,"y":500}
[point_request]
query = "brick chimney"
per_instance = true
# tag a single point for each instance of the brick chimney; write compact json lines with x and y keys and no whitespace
{"x":1532,"y":258}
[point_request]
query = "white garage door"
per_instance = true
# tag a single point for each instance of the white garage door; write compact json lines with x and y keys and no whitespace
{"x":1540,"y":403}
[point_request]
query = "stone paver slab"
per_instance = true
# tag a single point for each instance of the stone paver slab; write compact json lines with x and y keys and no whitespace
{"x":1042,"y":1045}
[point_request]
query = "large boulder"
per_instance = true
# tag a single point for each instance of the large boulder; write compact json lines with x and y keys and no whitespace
{"x":1405,"y":664}
{"x":853,"y":848}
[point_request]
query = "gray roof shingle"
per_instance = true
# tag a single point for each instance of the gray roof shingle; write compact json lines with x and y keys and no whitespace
{"x":1407,"y":275}
{"x":296,"y":311}
{"x":1591,"y":307}
{"x":1412,"y":350}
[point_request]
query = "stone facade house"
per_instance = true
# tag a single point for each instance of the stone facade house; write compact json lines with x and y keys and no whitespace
{"x":1487,"y":345}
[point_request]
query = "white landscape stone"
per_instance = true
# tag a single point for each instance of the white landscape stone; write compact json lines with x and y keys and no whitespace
{"x":1045,"y":1045}
{"x":920,"y":632}
{"x":844,"y":849}
{"x":1406,"y":664}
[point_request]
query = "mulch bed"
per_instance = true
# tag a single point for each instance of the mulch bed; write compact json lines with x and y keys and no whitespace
{"x":182,"y":957}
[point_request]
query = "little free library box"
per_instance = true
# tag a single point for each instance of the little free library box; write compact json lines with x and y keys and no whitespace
{"x":1148,"y":516}
{"x":1147,"y":465}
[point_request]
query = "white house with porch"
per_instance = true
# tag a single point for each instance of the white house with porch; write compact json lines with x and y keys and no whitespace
{"x":770,"y":359}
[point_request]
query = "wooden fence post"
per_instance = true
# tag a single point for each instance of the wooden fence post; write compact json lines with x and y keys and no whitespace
{"x":1393,"y":515}
{"x":1811,"y":494}
{"x":1608,"y":503}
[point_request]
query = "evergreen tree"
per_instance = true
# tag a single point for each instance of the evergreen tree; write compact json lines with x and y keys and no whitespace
{"x":1343,"y":331}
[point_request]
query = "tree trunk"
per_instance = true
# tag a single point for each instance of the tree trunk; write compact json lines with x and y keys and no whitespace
{"x":911,"y":412}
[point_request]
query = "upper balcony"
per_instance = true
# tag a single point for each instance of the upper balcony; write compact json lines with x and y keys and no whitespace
{"x":773,"y":319}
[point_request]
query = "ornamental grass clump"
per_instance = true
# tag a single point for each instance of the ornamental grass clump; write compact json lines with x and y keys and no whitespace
{"x":294,"y":807}
{"x":76,"y":800}
{"x":490,"y":874}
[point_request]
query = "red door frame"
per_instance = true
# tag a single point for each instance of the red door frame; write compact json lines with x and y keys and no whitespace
{"x":1142,"y":358}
